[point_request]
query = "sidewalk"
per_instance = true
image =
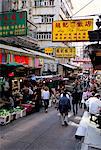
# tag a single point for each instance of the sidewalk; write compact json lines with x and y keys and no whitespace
{"x":92,"y":139}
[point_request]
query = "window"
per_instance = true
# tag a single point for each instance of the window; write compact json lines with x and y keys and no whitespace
{"x":44,"y":35}
{"x":51,"y":2}
{"x":23,"y":3}
{"x":38,"y":3}
{"x":47,"y":18}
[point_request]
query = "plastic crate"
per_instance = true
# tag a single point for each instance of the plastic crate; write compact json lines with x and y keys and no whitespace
{"x":28,"y":108}
{"x":5,"y":119}
{"x":23,"y":113}
{"x":13,"y":116}
{"x":18,"y":114}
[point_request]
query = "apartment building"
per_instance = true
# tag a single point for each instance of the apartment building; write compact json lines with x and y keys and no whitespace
{"x":44,"y":13}
{"x":21,"y":5}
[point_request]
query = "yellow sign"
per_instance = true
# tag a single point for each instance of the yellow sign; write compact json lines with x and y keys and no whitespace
{"x":72,"y":30}
{"x":65,"y":52}
{"x":49,"y":50}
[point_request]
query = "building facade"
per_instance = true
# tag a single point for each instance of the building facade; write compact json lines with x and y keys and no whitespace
{"x":21,"y":5}
{"x":44,"y":13}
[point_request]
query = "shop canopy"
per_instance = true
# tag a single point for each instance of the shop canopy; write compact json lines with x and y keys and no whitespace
{"x":26,"y":51}
{"x":14,"y":49}
{"x":5,"y":69}
{"x":36,"y":53}
{"x":69,"y":66}
{"x":13,"y":64}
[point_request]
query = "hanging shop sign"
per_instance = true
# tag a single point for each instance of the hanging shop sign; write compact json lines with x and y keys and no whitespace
{"x":13,"y":24}
{"x":63,"y":52}
{"x":41,"y":61}
{"x":84,"y":60}
{"x":53,"y":67}
{"x":21,"y":59}
{"x":71,"y":30}
{"x":45,"y":67}
{"x":48,"y":50}
{"x":37,"y":63}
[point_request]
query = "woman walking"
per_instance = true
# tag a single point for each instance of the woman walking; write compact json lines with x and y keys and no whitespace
{"x":45,"y":98}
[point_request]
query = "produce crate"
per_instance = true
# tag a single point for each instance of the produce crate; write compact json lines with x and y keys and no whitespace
{"x":18,"y":114}
{"x":5,"y":119}
{"x":13,"y":116}
{"x":28,"y":108}
{"x":23,"y":113}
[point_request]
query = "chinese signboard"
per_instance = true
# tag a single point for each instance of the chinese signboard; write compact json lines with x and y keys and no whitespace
{"x":65,"y":52}
{"x":13,"y":24}
{"x":48,"y":50}
{"x":72,"y":30}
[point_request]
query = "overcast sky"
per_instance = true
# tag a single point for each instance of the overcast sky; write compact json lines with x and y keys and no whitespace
{"x":93,"y":8}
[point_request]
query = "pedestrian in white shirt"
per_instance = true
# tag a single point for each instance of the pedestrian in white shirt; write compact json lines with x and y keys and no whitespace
{"x":45,"y":97}
{"x":84,"y":98}
{"x":94,"y":104}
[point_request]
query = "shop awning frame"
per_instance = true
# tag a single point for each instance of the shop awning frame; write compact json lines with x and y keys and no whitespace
{"x":69,"y":66}
{"x":14,"y":49}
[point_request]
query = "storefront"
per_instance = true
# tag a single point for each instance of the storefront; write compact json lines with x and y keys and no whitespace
{"x":16,"y":63}
{"x":9,"y":54}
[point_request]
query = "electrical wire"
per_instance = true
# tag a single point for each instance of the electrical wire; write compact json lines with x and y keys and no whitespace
{"x":93,"y":15}
{"x":82,"y":8}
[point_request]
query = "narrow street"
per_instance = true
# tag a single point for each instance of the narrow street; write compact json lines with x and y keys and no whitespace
{"x":40,"y":131}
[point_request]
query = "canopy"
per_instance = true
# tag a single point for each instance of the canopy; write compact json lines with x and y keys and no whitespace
{"x":13,"y":64}
{"x":68,"y":66}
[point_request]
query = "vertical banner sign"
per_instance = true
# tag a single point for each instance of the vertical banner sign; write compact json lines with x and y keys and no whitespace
{"x":71,"y":30}
{"x":13,"y":24}
{"x":65,"y":52}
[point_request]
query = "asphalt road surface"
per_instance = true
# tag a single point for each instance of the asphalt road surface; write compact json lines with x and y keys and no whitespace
{"x":40,"y":131}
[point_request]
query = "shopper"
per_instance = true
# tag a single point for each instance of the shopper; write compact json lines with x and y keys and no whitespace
{"x":6,"y":87}
{"x":64,"y":107}
{"x":79,"y":88}
{"x":75,"y":101}
{"x":84,"y":98}
{"x":94,"y":104}
{"x":45,"y":97}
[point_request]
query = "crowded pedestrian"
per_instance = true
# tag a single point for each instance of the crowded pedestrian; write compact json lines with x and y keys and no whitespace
{"x":75,"y":101}
{"x":45,"y":97}
{"x":64,"y":107}
{"x":94,"y":105}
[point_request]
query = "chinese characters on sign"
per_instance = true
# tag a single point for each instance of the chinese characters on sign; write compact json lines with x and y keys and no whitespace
{"x":48,"y":50}
{"x":72,"y":30}
{"x":63,"y":52}
{"x":13,"y":24}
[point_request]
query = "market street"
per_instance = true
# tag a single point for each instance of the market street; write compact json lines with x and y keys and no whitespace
{"x":40,"y":131}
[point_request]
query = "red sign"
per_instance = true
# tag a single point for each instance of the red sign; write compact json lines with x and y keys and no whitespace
{"x":21,"y":59}
{"x":0,"y":58}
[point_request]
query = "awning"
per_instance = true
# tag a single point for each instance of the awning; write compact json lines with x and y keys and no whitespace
{"x":39,"y":54}
{"x":15,"y":49}
{"x":68,"y":66}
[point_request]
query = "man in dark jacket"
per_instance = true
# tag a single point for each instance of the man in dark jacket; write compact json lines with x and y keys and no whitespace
{"x":75,"y":101}
{"x":64,"y":108}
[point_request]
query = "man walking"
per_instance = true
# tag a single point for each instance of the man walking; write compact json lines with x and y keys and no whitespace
{"x":75,"y":101}
{"x":64,"y":108}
